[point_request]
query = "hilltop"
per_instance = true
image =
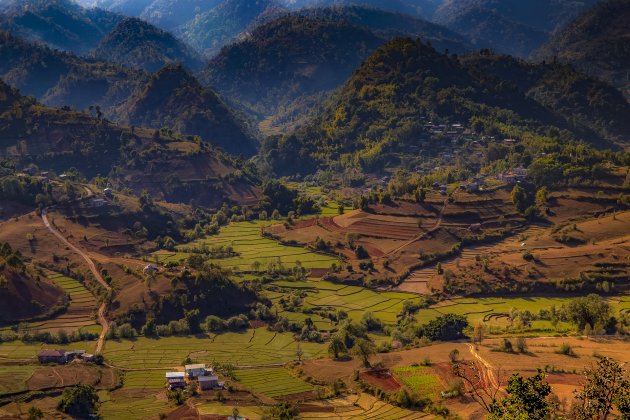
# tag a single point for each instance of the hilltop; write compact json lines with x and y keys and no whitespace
{"x":62,"y":79}
{"x":509,"y":26}
{"x":287,"y":59}
{"x":379,"y":111}
{"x":61,"y":24}
{"x":169,"y":167}
{"x":175,"y":99}
{"x":597,"y":42}
{"x":136,"y":44}
{"x":208,"y":32}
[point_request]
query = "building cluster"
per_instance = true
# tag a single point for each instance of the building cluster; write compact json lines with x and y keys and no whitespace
{"x":200,"y":373}
{"x":61,"y":357}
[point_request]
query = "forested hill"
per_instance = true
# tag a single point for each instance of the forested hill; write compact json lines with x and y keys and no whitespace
{"x":167,"y":165}
{"x":174,"y":98}
{"x":59,"y":79}
{"x":380,"y":108}
{"x":61,"y":24}
{"x":391,"y":24}
{"x":136,"y":44}
{"x":288,"y":58}
{"x":515,"y":27}
{"x":597,"y":42}
{"x":208,"y":32}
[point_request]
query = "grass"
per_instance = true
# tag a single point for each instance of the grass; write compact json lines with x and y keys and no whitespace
{"x":420,"y":379}
{"x":247,"y":241}
{"x":275,"y":382}
{"x":250,"y":412}
{"x":79,"y":314}
{"x":13,"y":377}
{"x":254,"y":347}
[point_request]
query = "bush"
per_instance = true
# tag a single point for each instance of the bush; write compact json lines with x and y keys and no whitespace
{"x":79,"y":401}
{"x":566,"y":349}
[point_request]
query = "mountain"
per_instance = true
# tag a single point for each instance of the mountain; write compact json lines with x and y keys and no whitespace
{"x":389,"y":25}
{"x":597,"y":42}
{"x":138,"y":44}
{"x":509,"y":26}
{"x":61,"y":24}
{"x":287,"y":59}
{"x":168,"y":14}
{"x":174,"y":98}
{"x":59,"y":78}
{"x":123,"y":7}
{"x":208,"y":32}
{"x":169,"y":166}
{"x":410,"y":7}
{"x":381,"y":110}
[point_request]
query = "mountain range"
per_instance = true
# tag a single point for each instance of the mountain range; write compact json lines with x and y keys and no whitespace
{"x":597,"y":42}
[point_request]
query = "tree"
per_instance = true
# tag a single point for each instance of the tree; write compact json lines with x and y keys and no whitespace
{"x":592,"y":310}
{"x":521,"y":345}
{"x":527,"y":399}
{"x":542,"y":196}
{"x":606,"y":389}
{"x":192,"y":318}
{"x":454,"y":355}
{"x":299,"y":352}
{"x":444,"y":328}
{"x":336,"y":346}
{"x":519,"y":198}
{"x":364,"y":348}
{"x":79,"y":401}
{"x":35,"y":413}
{"x":149,"y":329}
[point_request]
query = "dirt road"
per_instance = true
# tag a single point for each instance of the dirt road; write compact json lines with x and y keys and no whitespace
{"x":489,"y":372}
{"x":97,"y":275}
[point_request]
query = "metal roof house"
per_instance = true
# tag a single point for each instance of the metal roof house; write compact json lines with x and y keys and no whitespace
{"x":196,"y":370}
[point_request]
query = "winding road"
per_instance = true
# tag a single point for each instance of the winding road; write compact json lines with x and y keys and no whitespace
{"x":97,"y":275}
{"x":486,"y":365}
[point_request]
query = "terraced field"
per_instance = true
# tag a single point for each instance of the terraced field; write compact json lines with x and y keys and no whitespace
{"x":13,"y":377}
{"x":275,"y":382}
{"x":80,"y":312}
{"x":363,"y":407}
{"x":248,"y":242}
{"x":127,"y":406}
{"x":354,"y":300}
{"x":418,"y":280}
{"x":250,"y":412}
{"x":420,"y":379}
{"x":255,"y":347}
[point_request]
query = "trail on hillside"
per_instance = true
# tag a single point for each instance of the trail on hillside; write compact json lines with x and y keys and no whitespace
{"x":489,"y":372}
{"x":97,"y":275}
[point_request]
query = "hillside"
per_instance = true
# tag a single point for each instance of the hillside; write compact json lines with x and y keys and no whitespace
{"x":168,"y":166}
{"x":174,"y":98}
{"x":168,"y":14}
{"x":62,"y":24}
{"x":22,"y":294}
{"x":287,"y":60}
{"x":137,"y":44}
{"x":597,"y":42}
{"x":208,"y":32}
{"x":509,"y":26}
{"x":59,"y":79}
{"x":389,"y":25}
{"x":377,"y":111}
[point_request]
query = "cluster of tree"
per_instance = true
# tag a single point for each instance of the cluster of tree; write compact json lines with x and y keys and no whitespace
{"x":277,"y":197}
{"x":444,"y":328}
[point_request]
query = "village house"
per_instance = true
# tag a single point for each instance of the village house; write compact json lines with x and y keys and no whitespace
{"x":108,"y":192}
{"x":58,"y":356}
{"x":175,"y":380}
{"x":150,"y":269}
{"x":208,"y":382}
{"x":196,"y":370}
{"x":98,"y":202}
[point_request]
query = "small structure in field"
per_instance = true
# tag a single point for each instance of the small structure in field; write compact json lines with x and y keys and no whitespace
{"x":58,"y":356}
{"x":98,"y":202}
{"x":208,"y":382}
{"x":195,"y":371}
{"x":108,"y":192}
{"x":150,"y":269}
{"x":175,"y":380}
{"x":475,"y":228}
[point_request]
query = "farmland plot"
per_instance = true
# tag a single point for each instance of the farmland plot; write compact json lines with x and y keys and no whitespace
{"x":275,"y":382}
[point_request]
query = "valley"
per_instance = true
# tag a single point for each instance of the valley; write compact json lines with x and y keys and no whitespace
{"x":410,"y":209}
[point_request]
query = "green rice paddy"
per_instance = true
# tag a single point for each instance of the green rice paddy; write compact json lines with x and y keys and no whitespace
{"x":420,"y":379}
{"x":274,"y":382}
{"x":255,"y":251}
{"x":257,"y":347}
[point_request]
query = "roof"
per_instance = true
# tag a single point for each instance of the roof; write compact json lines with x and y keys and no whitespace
{"x":196,"y":366}
{"x":175,"y":375}
{"x":207,"y":378}
{"x":51,"y":353}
